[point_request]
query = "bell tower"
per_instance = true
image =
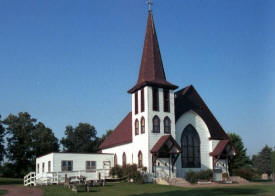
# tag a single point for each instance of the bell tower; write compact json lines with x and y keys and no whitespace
{"x":153,"y":113}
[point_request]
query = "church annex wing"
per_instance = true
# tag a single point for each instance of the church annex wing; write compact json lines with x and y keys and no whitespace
{"x":189,"y":99}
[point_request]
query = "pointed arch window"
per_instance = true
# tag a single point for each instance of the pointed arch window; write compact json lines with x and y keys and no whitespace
{"x":166,"y":100}
{"x":136,"y":102}
{"x":167,"y":125}
{"x":155,"y":99}
{"x":190,"y":145}
{"x":115,"y":160}
{"x":142,"y":122}
{"x":156,"y":124}
{"x":142,"y":100}
{"x":136,"y":127}
{"x":124,"y":160}
{"x":140,"y":164}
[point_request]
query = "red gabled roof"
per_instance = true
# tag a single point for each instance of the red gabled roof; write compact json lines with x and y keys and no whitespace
{"x":121,"y":135}
{"x":151,"y":68}
{"x":189,"y":99}
{"x":219,"y":148}
{"x":162,"y":141}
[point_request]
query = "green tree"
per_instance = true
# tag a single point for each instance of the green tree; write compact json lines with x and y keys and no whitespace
{"x":80,"y":139}
{"x":240,"y":160}
{"x":273,"y":164}
{"x":2,"y":147}
{"x":43,"y":140}
{"x":262,"y":161}
{"x":19,"y":149}
{"x":26,"y":140}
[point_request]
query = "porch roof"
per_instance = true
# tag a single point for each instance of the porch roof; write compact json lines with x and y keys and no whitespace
{"x":162,"y":141}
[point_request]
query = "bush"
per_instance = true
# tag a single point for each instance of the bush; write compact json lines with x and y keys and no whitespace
{"x":246,"y":173}
{"x":129,"y":172}
{"x":194,"y":177}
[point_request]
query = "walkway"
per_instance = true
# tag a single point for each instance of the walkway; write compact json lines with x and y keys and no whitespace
{"x":15,"y":190}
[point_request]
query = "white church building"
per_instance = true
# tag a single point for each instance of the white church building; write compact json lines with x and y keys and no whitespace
{"x":169,"y":132}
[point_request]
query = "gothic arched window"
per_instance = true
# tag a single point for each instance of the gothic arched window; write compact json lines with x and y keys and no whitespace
{"x":156,"y":124}
{"x":136,"y":127}
{"x":140,"y":159}
{"x":190,"y":145}
{"x":142,"y":122}
{"x":124,"y":160}
{"x":115,"y":160}
{"x":167,"y":125}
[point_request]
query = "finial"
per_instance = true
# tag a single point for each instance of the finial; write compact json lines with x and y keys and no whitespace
{"x":150,"y":5}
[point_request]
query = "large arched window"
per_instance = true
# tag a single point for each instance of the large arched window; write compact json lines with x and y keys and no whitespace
{"x":156,"y":124}
{"x":115,"y":160}
{"x":190,"y":145}
{"x":140,"y":159}
{"x":124,"y":160}
{"x":142,"y":122}
{"x":136,"y":127}
{"x":167,"y":125}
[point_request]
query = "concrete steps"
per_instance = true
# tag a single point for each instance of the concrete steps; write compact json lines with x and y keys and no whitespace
{"x":172,"y":181}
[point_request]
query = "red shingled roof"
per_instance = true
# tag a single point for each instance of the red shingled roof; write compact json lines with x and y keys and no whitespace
{"x":121,"y":135}
{"x":162,"y":141}
{"x":219,"y":148}
{"x":151,"y":68}
{"x":188,"y":99}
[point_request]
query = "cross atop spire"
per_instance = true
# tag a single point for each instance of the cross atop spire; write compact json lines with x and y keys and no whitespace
{"x":151,"y":72}
{"x":150,"y":5}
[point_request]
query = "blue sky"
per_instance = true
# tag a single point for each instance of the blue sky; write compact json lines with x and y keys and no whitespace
{"x":71,"y":61}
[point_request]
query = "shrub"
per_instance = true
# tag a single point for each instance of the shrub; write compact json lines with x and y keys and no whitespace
{"x":194,"y":177}
{"x":129,"y":172}
{"x":246,"y":173}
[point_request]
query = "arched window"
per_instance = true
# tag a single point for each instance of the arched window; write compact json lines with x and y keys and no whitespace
{"x":124,"y":160}
{"x":140,"y":159}
{"x":167,"y":125}
{"x":156,"y":124}
{"x":142,"y":122}
{"x":136,"y":127}
{"x":115,"y":160}
{"x":190,"y":145}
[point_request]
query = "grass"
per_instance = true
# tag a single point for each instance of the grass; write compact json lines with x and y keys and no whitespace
{"x":2,"y":192}
{"x":124,"y":189}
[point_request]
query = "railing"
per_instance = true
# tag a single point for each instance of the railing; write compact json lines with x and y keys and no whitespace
{"x":29,"y":179}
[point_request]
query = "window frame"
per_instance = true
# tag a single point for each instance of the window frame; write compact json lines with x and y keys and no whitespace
{"x":140,"y":159}
{"x":142,"y":125}
{"x":66,"y":167}
{"x":165,"y":126}
{"x":136,"y":102}
{"x":142,"y":100}
{"x":155,"y":95}
{"x":90,"y":167}
{"x":124,"y":159}
{"x":115,"y":160}
{"x":136,"y":127}
{"x":156,"y":127}
{"x":43,"y":167}
{"x":49,"y":166}
{"x":166,"y":100}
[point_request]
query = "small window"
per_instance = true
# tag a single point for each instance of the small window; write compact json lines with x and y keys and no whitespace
{"x":142,"y":99}
{"x":49,"y":166}
{"x":155,"y":99}
{"x":37,"y":168}
{"x":156,"y":124}
{"x":115,"y":160}
{"x":66,"y":165}
{"x":43,"y":167}
{"x":136,"y":103}
{"x":124,"y":160}
{"x":91,"y":166}
{"x":167,"y":125}
{"x":140,"y":159}
{"x":142,"y":125}
{"x":166,"y":100}
{"x":136,"y":127}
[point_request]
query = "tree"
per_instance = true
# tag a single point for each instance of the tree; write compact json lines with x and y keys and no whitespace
{"x":19,"y":149}
{"x":26,"y":140}
{"x":80,"y":139}
{"x":273,"y":164}
{"x":262,"y":161}
{"x":2,"y":147}
{"x":240,"y":160}
{"x":43,"y":140}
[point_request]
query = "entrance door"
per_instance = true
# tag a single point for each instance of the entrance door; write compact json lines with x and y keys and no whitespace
{"x":107,"y":168}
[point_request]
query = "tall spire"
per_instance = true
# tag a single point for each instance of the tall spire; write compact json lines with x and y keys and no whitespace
{"x":151,"y":70}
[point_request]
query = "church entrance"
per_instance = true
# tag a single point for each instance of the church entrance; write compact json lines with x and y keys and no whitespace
{"x":164,"y":155}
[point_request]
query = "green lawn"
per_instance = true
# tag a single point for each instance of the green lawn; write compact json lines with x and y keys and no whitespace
{"x":158,"y":190}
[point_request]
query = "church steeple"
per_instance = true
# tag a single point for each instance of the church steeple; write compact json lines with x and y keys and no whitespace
{"x":151,"y":70}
